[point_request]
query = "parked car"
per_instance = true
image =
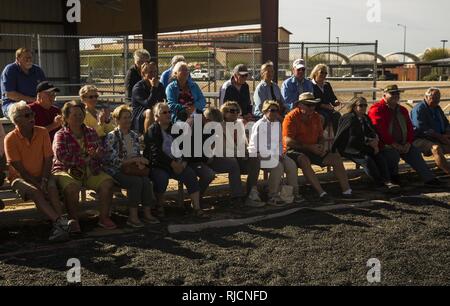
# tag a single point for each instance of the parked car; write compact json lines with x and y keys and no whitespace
{"x":201,"y":74}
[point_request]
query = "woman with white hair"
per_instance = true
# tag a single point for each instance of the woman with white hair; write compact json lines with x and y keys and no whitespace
{"x":324,"y":92}
{"x":134,"y":73}
{"x":184,"y":96}
{"x":165,"y":76}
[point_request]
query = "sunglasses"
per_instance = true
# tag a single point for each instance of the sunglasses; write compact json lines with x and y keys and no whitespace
{"x":309,"y":105}
{"x":274,"y":110}
{"x":165,"y":112}
{"x":92,"y":97}
{"x":244,"y":75}
{"x":233,"y":111}
{"x":301,"y":69}
{"x":362,"y":105}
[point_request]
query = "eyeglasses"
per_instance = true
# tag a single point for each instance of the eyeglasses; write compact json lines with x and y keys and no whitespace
{"x":274,"y":110}
{"x":92,"y":97}
{"x":28,"y":115}
{"x":233,"y":111}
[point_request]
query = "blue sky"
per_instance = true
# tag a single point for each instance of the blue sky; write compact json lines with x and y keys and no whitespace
{"x":427,"y":22}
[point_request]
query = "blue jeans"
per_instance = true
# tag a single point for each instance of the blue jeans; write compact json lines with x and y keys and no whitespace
{"x":413,"y":158}
{"x":188,"y":177}
{"x":375,"y":166}
{"x":139,"y":189}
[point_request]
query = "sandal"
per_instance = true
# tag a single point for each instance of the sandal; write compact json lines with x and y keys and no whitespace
{"x":151,"y":220}
{"x":107,"y":224}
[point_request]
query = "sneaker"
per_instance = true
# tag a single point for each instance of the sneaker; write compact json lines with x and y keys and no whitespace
{"x":74,"y":227}
{"x":254,"y":195}
{"x":134,"y":224}
{"x":276,"y":201}
{"x":63,"y":222}
{"x":252,"y":203}
{"x":390,"y":185}
{"x":298,"y":199}
{"x":58,"y":233}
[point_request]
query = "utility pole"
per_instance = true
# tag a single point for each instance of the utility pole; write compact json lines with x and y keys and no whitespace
{"x":404,"y":39}
{"x":329,"y":38}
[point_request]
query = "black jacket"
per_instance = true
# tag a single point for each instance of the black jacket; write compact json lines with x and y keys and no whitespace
{"x":326,"y":97}
{"x":351,"y":136}
{"x":133,"y":76}
{"x":144,"y":97}
{"x":153,"y":141}
{"x":242,"y":96}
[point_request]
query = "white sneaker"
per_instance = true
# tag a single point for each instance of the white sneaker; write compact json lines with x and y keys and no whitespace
{"x":252,"y":203}
{"x":254,"y":195}
{"x":276,"y":201}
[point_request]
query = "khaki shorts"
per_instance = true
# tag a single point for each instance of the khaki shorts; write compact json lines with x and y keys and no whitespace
{"x":64,"y":179}
{"x":25,"y":189}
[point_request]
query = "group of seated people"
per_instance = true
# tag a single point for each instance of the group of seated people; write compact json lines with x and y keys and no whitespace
{"x":53,"y":153}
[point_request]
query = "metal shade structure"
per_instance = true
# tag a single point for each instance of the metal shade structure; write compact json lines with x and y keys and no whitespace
{"x":120,"y":17}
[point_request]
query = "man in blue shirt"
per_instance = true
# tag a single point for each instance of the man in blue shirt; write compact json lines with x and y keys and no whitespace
{"x":20,"y":79}
{"x":297,"y":84}
{"x":431,"y":128}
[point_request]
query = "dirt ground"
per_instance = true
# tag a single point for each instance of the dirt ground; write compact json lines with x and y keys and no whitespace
{"x":408,"y":235}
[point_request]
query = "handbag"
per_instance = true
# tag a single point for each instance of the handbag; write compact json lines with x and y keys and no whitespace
{"x":131,"y":169}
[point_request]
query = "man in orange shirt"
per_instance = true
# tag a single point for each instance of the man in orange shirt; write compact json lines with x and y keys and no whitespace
{"x":303,"y":142}
{"x":29,"y":155}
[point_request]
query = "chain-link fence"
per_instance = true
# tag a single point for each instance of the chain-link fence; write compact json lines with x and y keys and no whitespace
{"x":71,"y":61}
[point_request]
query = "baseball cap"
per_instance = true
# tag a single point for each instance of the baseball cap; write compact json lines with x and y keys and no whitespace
{"x":46,"y":86}
{"x":298,"y":63}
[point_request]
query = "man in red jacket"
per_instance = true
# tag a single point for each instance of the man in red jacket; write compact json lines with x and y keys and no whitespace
{"x":395,"y":129}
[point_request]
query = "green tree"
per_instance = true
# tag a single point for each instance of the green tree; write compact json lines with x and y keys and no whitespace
{"x":435,"y":54}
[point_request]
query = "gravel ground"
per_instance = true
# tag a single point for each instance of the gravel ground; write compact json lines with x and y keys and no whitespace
{"x":408,"y":235}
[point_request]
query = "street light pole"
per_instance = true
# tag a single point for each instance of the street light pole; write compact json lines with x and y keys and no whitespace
{"x":404,"y":39}
{"x":443,"y":44}
{"x":329,"y":38}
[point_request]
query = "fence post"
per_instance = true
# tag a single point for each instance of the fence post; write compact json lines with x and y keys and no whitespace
{"x":375,"y":71}
{"x":125,"y":55}
{"x":215,"y":68}
{"x":254,"y":68}
{"x":303,"y":50}
{"x":39,"y":50}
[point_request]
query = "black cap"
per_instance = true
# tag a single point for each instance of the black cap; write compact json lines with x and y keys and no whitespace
{"x":46,"y":86}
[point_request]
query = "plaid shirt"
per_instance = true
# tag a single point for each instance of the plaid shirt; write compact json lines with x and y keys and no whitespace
{"x":68,"y":154}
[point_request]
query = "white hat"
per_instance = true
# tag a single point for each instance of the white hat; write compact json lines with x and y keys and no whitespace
{"x":298,"y":63}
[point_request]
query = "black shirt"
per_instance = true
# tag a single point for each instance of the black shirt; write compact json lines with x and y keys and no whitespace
{"x":133,"y":76}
